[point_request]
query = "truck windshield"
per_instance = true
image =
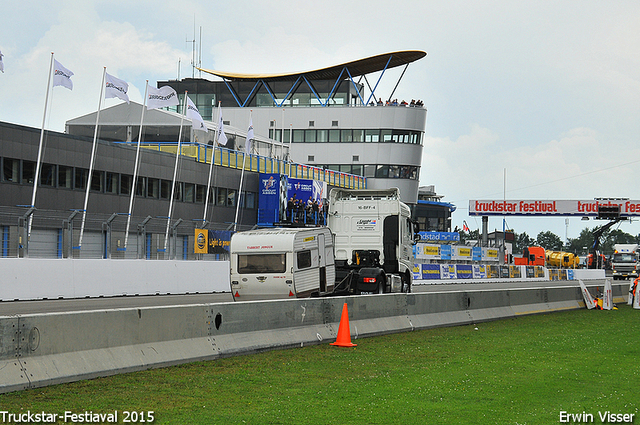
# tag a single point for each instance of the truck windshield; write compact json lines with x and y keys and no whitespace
{"x":261,"y":263}
{"x":624,"y":258}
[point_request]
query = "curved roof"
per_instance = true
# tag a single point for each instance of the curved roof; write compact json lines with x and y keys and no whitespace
{"x":356,"y":68}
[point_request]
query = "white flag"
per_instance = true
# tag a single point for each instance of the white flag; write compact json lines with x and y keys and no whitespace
{"x":196,"y":119}
{"x":250,"y":137}
{"x":1,"y":64}
{"x":607,"y":297}
{"x":159,"y":98}
{"x":222,"y":138}
{"x":116,"y":88}
{"x":588,"y":299}
{"x":61,"y":76}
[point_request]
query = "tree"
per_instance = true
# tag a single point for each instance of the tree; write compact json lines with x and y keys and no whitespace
{"x":582,"y":244}
{"x":472,"y":235}
{"x":522,"y":240}
{"x":549,"y":240}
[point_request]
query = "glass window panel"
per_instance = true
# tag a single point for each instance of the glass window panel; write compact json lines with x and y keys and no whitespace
{"x":141,"y":186}
{"x":28,"y":171}
{"x":11,"y":170}
{"x":369,"y":170}
{"x":334,"y":136}
{"x":250,"y":200}
{"x":189,"y":192}
{"x":394,"y":171}
{"x":310,"y":136}
{"x":97,"y":181}
{"x":111,"y":184}
{"x":81,"y":177}
{"x":382,"y":171}
{"x":231,"y":197}
{"x":125,"y":184}
{"x":385,"y":136}
{"x":358,"y":135}
{"x":356,"y":169}
{"x":372,"y":136}
{"x":201,"y":192}
{"x":153,"y":188}
{"x":177,"y":192}
{"x":298,"y":136}
{"x":346,"y":136}
{"x":165,"y":189}
{"x":65,"y":176}
{"x":222,"y":196}
{"x":48,"y":175}
{"x":322,"y":136}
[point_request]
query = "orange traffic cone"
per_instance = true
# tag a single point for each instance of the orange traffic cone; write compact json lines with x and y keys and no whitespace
{"x":344,"y":334}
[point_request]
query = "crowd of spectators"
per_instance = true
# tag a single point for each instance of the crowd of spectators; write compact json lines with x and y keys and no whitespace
{"x":414,"y":103}
{"x":310,"y":212}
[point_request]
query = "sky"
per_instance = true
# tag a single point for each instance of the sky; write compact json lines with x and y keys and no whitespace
{"x":526,"y":100}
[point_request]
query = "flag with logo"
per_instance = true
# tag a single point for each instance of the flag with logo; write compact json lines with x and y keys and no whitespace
{"x":222,"y":138}
{"x":116,"y":88}
{"x":61,"y":76}
{"x":250,"y":136}
{"x":194,"y":115}
{"x":163,"y":97}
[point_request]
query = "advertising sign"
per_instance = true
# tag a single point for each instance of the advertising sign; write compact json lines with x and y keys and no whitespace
{"x":211,"y":241}
{"x":440,"y":236}
{"x":430,"y":271}
{"x":464,"y":271}
{"x":272,"y":198}
{"x":587,"y":208}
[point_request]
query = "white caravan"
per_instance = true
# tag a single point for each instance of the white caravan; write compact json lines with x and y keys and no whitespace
{"x":281,"y":263}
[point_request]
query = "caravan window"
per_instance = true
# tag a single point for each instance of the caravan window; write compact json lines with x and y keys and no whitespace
{"x":304,"y":259}
{"x":261,"y":263}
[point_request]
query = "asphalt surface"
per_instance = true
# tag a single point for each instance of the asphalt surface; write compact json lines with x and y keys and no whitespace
{"x":12,"y":308}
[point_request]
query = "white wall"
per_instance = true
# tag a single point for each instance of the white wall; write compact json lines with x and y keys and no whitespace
{"x":31,"y":279}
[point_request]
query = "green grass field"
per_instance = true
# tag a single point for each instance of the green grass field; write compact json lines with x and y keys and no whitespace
{"x":517,"y":371}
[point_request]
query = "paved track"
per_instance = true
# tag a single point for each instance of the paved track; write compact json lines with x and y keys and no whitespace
{"x":10,"y":308}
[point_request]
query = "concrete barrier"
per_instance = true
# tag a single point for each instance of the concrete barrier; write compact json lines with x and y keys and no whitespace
{"x":44,"y":349}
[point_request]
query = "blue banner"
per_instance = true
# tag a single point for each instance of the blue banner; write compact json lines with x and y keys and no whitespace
{"x":431,"y":271}
{"x":272,"y":198}
{"x":440,"y":236}
{"x":476,"y":253}
{"x":464,"y":271}
{"x":445,"y":252}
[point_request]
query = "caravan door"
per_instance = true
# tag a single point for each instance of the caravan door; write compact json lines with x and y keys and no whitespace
{"x":322,"y":263}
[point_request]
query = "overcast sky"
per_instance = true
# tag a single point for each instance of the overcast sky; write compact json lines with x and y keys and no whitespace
{"x":544,"y":92}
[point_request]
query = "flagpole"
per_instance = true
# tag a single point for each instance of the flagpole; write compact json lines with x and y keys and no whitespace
{"x":37,"y":177}
{"x":244,"y":159}
{"x":213,"y":158}
{"x":135,"y":167}
{"x":175,"y":171}
{"x":93,"y":153}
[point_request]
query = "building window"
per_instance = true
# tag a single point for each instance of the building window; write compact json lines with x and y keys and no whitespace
{"x":141,"y":187}
{"x":153,"y":188}
{"x":97,"y":181}
{"x":189,"y":192}
{"x":372,"y":136}
{"x":312,"y":123}
{"x":111,"y":184}
{"x":201,"y":192}
{"x":334,"y":136}
{"x":346,"y":136}
{"x":334,"y":123}
{"x":310,"y":136}
{"x":231,"y":197}
{"x":81,"y":177}
{"x":48,"y":175}
{"x":222,"y":196}
{"x":28,"y":172}
{"x":298,"y":136}
{"x":322,"y":136}
{"x":125,"y":184}
{"x":65,"y":177}
{"x":355,"y":158}
{"x":11,"y":170}
{"x":165,"y":189}
{"x":311,"y":158}
{"x":177,"y":191}
{"x":358,"y":136}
